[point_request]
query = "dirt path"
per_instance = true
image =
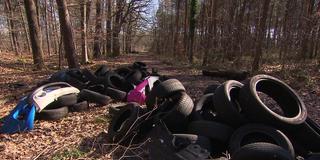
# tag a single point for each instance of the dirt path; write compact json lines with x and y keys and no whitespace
{"x":78,"y":134}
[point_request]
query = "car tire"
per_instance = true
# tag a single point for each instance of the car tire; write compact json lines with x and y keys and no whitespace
{"x":252,"y":133}
{"x":295,"y":112}
{"x":307,"y":135}
{"x":215,"y":131}
{"x":211,"y":88}
{"x":115,"y":94}
{"x":52,"y":113}
{"x":162,"y":90}
{"x":176,"y":111}
{"x":204,"y":109}
{"x":94,"y":97}
{"x":79,"y":107}
{"x":122,"y":121}
{"x":180,"y":141}
{"x":101,"y":71}
{"x":225,"y":100}
{"x":262,"y":151}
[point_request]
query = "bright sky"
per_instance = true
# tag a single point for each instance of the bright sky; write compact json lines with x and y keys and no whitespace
{"x":154,"y":5}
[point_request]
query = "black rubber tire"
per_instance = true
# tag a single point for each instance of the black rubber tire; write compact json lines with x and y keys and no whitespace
{"x":313,"y":156}
{"x":204,"y":109}
{"x":139,"y":65}
{"x":96,"y":88}
{"x":76,"y":74}
{"x":225,"y":100}
{"x":113,"y":110}
{"x":76,"y":83}
{"x":134,"y":77}
{"x":116,"y":81}
{"x":115,"y":94}
{"x":252,"y":133}
{"x":176,"y":111}
{"x":101,"y":71}
{"x":67,"y":100}
{"x":79,"y":107}
{"x":122,"y":121}
{"x":53,"y":113}
{"x":211,"y":88}
{"x":89,"y":75}
{"x":91,"y":96}
{"x":262,"y":151}
{"x":162,"y":90}
{"x":215,"y":131}
{"x":123,"y":71}
{"x":294,"y":110}
{"x":180,"y":141}
{"x":308,"y":135}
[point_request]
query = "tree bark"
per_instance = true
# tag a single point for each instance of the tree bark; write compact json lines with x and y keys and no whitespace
{"x":96,"y":45}
{"x":177,"y":28}
{"x":185,"y":35}
{"x":84,"y":45}
{"x":34,"y":33}
{"x":47,"y":28}
{"x":53,"y":27}
{"x":192,"y":27}
{"x":66,"y":33}
{"x":116,"y":29}
{"x":11,"y":25}
{"x":306,"y":28}
{"x":25,"y":29}
{"x":108,"y":26}
{"x":260,"y":36}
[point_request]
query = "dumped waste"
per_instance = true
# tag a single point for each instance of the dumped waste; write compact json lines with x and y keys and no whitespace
{"x":232,"y":120}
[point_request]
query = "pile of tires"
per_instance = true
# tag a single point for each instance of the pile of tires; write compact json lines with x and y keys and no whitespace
{"x":60,"y":108}
{"x":167,"y":101}
{"x":229,"y":118}
{"x":113,"y":83}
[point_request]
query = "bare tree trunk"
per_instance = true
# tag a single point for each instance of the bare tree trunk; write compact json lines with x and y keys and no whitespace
{"x":192,"y":27}
{"x":66,"y":33}
{"x":116,"y":29}
{"x":185,"y":35}
{"x":177,"y":28}
{"x":47,"y":27}
{"x":84,"y":49}
{"x":269,"y":28}
{"x":54,"y":29}
{"x":11,"y":24}
{"x":25,"y":29}
{"x":37,"y":4}
{"x":34,"y":33}
{"x":96,"y":45}
{"x":108,"y":26}
{"x":260,"y":36}
{"x":306,"y":28}
{"x":128,"y":36}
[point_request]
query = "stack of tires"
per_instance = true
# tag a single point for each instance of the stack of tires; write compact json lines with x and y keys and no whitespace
{"x":250,"y":127}
{"x":71,"y":103}
{"x":167,"y":101}
{"x":113,"y":83}
{"x":229,"y":118}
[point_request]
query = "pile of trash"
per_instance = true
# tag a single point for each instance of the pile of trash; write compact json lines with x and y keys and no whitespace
{"x":232,"y":118}
{"x":72,"y":90}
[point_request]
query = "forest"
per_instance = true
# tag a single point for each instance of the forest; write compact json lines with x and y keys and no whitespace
{"x":243,"y":32}
{"x":182,"y":39}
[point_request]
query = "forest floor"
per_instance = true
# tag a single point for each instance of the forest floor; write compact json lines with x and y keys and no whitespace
{"x":78,"y":136}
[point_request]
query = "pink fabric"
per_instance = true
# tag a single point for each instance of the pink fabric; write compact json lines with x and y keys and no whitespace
{"x":138,"y":94}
